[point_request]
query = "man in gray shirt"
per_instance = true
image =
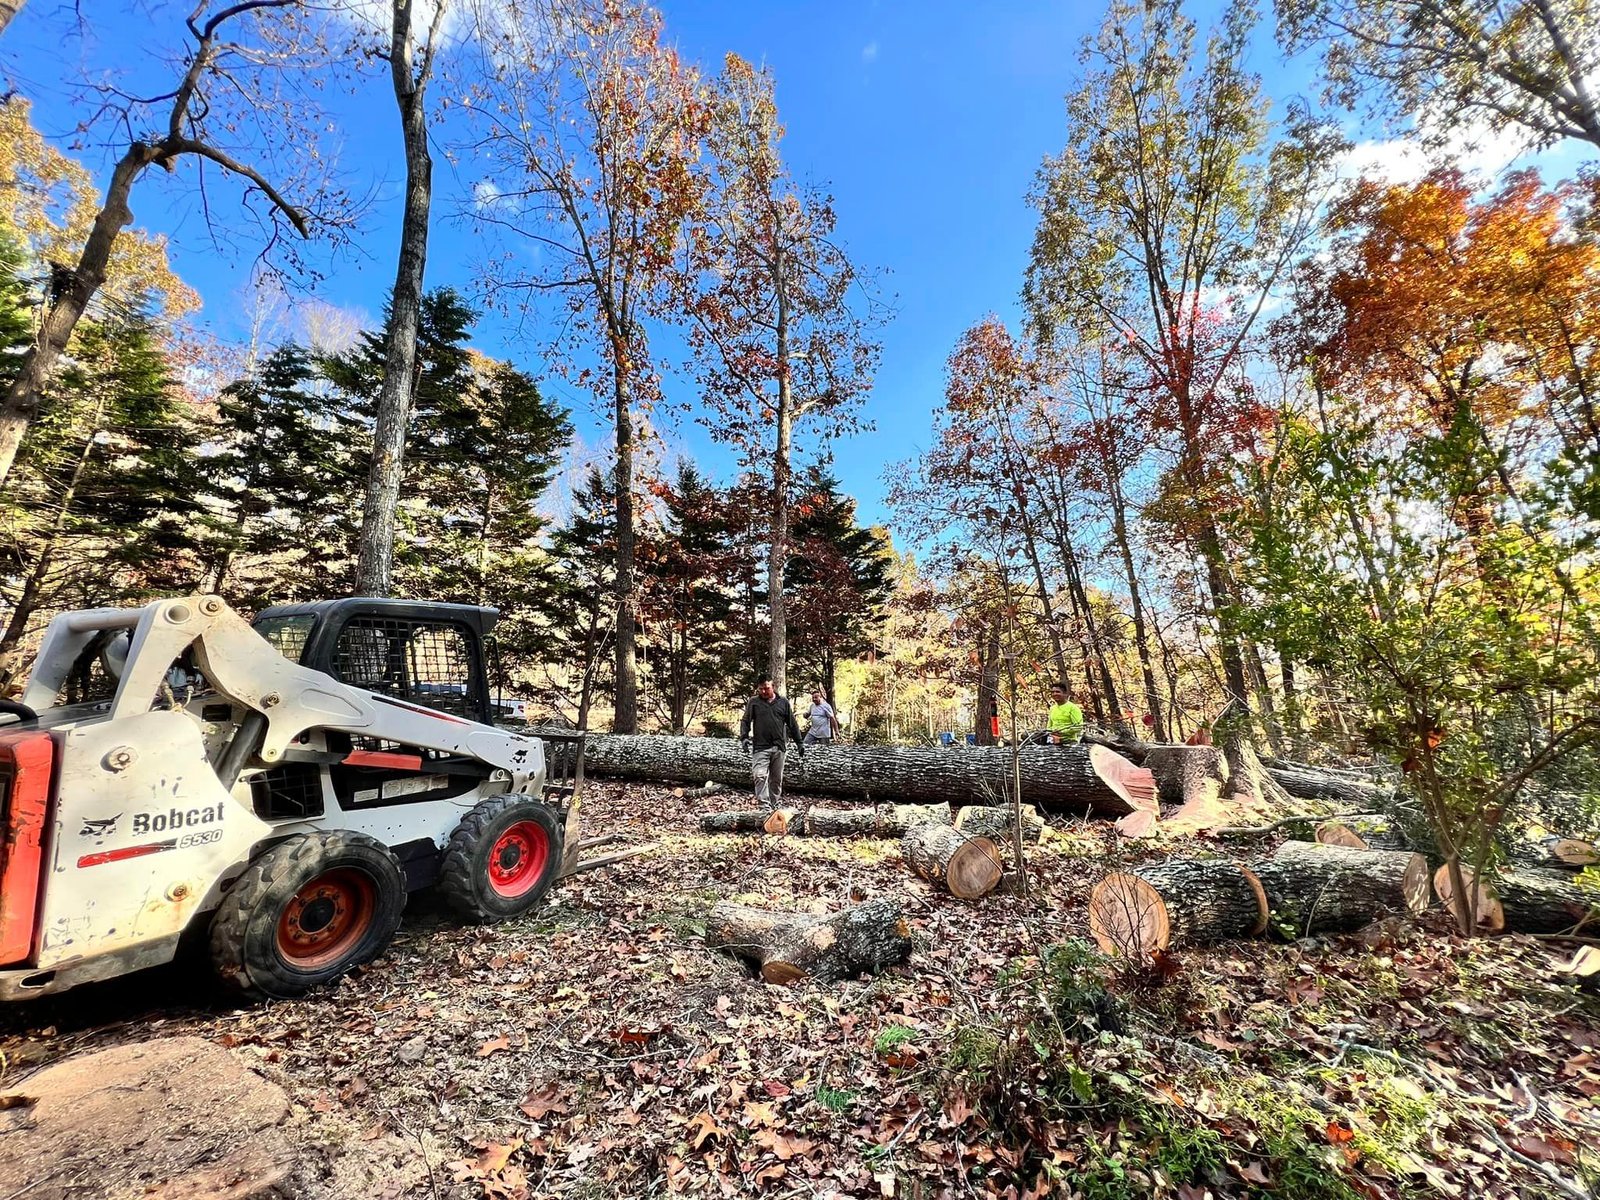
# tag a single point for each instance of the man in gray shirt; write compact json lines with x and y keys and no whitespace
{"x":823,"y":724}
{"x":767,"y":722}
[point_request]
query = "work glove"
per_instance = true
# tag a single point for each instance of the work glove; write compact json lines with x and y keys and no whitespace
{"x":800,"y":752}
{"x":744,"y":744}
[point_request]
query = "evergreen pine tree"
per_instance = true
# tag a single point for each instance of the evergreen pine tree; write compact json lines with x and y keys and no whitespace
{"x":691,"y":597}
{"x":101,"y":506}
{"x":838,"y":580}
{"x":576,"y":601}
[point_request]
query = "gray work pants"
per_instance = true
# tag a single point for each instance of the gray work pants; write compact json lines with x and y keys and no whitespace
{"x":766,"y":770}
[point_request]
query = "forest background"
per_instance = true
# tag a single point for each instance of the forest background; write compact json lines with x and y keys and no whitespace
{"x":1252,"y":436}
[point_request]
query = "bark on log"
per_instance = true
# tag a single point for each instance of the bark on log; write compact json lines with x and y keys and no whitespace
{"x":749,"y":820}
{"x":996,"y":822}
{"x":1177,"y":902}
{"x":1369,"y":831}
{"x":967,"y":866}
{"x":1334,"y":889}
{"x":1075,"y":777}
{"x":1186,"y":774}
{"x":881,"y":820}
{"x":1308,"y":783}
{"x":786,"y":947}
{"x":1527,"y":901}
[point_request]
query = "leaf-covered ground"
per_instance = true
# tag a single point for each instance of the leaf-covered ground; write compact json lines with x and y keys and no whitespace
{"x":599,"y":1049}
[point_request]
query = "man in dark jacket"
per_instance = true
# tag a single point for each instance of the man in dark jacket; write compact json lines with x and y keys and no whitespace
{"x":767,"y":722}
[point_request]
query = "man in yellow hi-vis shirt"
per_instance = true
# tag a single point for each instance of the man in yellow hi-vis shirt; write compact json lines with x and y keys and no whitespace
{"x":1066,"y":718}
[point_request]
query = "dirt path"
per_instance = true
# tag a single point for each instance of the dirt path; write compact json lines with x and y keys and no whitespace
{"x":599,"y":1049}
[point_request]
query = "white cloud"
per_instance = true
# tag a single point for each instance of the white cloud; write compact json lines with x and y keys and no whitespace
{"x":1476,"y":149}
{"x":869,"y":52}
{"x":486,"y":194}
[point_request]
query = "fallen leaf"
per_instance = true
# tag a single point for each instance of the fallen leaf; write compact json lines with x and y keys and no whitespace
{"x":702,"y":1127}
{"x":495,"y":1156}
{"x":1554,"y":1150}
{"x":540,"y":1103}
{"x":760,"y":1112}
{"x":885,"y":1182}
{"x":1339,"y":1134}
{"x":494,"y":1046}
{"x":1254,"y":1172}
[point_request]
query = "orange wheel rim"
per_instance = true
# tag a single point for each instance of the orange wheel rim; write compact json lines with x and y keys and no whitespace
{"x":517,"y":860}
{"x":327,"y":918}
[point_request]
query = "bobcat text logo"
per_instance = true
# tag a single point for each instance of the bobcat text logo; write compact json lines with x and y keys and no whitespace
{"x":177,"y":818}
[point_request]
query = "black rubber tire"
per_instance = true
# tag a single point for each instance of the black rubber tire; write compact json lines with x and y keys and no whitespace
{"x":464,"y":874}
{"x":245,"y":950}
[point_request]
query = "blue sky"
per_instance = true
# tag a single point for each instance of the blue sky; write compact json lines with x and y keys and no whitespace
{"x":928,"y":119}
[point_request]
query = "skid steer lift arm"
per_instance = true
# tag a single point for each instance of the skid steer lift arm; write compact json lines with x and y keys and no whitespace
{"x":282,"y":699}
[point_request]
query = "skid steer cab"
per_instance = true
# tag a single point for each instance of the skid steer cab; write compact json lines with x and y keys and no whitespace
{"x":278,"y":788}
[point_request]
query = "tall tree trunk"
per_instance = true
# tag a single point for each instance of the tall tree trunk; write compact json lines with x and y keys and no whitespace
{"x":68,"y":299}
{"x":1292,"y":716}
{"x":1263,"y":689}
{"x":375,"y":556}
{"x":626,"y":703}
{"x":778,"y":554}
{"x":1152,"y":695}
{"x":988,"y":685}
{"x":8,"y":10}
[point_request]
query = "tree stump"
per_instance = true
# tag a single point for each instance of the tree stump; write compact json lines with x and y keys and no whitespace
{"x":882,"y":820}
{"x":1135,"y":913}
{"x":1335,"y":889}
{"x":1372,"y":831}
{"x":968,"y":866}
{"x":995,"y":822}
{"x":753,"y":820}
{"x":1526,"y":901}
{"x":1187,"y":774}
{"x":788,"y":947}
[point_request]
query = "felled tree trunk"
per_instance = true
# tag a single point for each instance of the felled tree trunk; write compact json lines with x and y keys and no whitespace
{"x":1074,"y":777}
{"x":881,"y":820}
{"x":967,"y":866}
{"x":1177,"y":902}
{"x":1525,"y":901}
{"x":996,"y":822}
{"x":1310,"y":783}
{"x":1334,"y":889}
{"x":787,"y":947}
{"x":753,"y":820}
{"x":1367,"y":832}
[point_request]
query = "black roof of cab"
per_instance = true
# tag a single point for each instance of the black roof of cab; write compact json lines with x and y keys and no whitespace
{"x":481,"y":618}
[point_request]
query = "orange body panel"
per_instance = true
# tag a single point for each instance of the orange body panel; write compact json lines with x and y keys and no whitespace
{"x":26,"y":763}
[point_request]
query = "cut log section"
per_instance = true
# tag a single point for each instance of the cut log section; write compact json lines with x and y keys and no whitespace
{"x":1187,"y":774}
{"x":1178,"y":902}
{"x":882,"y":820}
{"x":1367,"y":832}
{"x":1074,"y":777}
{"x":1317,"y":888}
{"x":1562,"y":854}
{"x":788,"y":947}
{"x":753,"y":820}
{"x":1526,"y":901}
{"x":1491,"y":917}
{"x":997,"y":822}
{"x":968,"y":866}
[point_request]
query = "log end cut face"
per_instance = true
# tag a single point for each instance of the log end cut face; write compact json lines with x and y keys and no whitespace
{"x":1128,"y":917}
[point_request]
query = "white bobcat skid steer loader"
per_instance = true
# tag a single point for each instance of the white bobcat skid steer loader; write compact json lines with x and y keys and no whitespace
{"x":171,"y":769}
